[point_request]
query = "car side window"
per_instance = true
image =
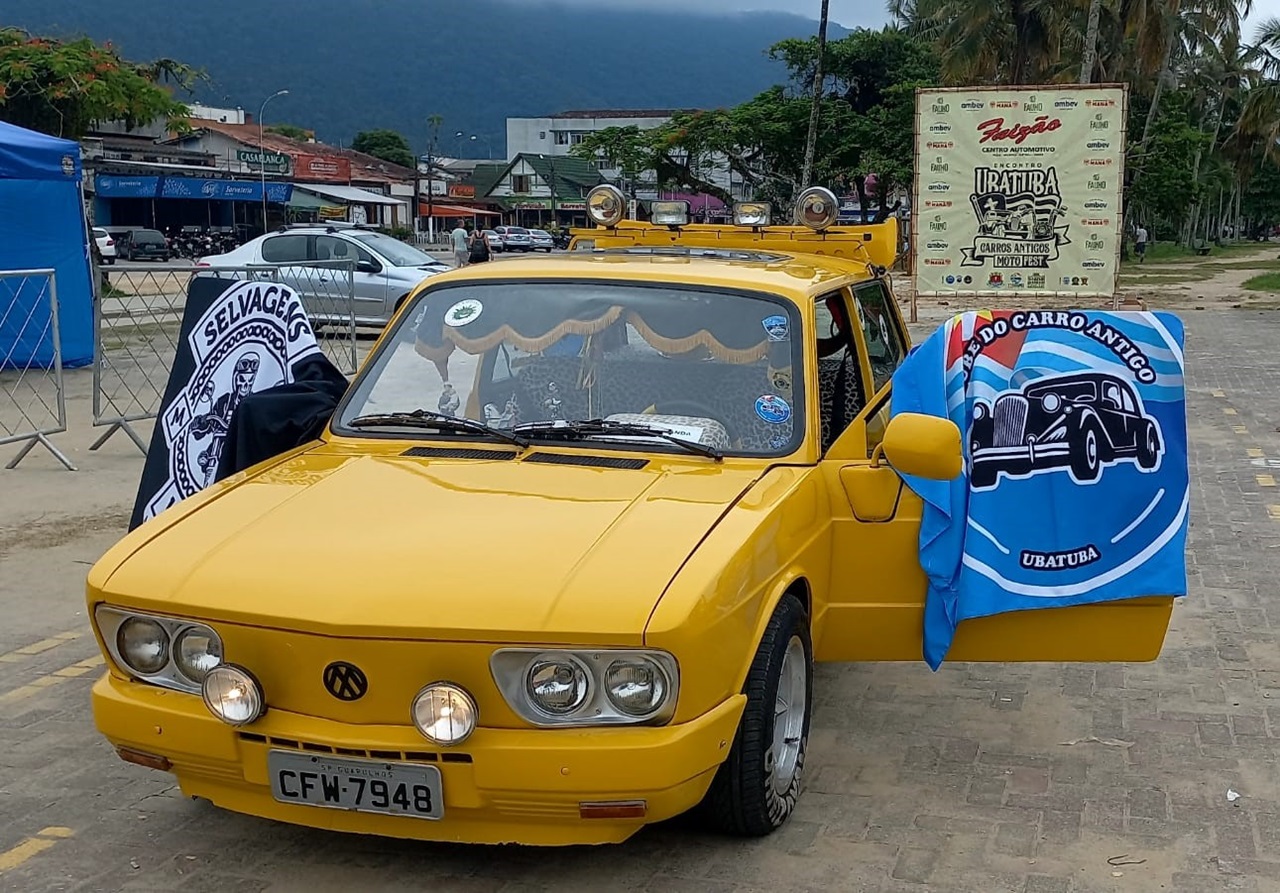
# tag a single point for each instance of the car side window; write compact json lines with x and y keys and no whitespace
{"x":886,"y":347}
{"x":285,"y":249}
{"x":1111,"y":394}
{"x":1128,"y":401}
{"x":840,"y":387}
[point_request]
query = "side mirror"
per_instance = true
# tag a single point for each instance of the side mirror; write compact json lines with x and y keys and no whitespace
{"x":923,"y":446}
{"x":368,"y":266}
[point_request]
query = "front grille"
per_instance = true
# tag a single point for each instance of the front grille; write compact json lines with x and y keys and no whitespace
{"x":458,"y":453}
{"x":587,"y":461}
{"x":1010,"y":416}
{"x":411,"y":756}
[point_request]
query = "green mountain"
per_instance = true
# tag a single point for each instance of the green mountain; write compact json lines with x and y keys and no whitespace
{"x":352,"y":65}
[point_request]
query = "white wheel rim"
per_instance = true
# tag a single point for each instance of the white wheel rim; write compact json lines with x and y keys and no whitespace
{"x":1091,"y":449}
{"x":788,"y":716}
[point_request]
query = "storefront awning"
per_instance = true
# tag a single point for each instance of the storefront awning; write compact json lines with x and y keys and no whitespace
{"x":305,"y":201}
{"x":349,"y":195}
{"x":439,"y":210}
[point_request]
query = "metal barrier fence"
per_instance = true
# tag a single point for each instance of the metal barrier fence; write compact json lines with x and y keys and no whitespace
{"x":32,"y":400}
{"x":138,"y":320}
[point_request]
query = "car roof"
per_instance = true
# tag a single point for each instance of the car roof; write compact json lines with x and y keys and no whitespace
{"x":799,"y":277}
{"x":1090,"y":377}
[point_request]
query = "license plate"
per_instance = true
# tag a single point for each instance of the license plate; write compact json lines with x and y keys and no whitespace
{"x":408,"y":789}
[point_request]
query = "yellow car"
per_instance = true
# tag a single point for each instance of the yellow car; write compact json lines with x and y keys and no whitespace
{"x":563,"y":560}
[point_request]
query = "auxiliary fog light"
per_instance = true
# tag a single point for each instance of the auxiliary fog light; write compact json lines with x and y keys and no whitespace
{"x":817,"y":208}
{"x":752,"y":214}
{"x":233,"y":695}
{"x":444,"y":713}
{"x":606,"y":205}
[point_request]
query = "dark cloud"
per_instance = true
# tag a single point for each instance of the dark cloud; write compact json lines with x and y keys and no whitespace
{"x":850,"y":13}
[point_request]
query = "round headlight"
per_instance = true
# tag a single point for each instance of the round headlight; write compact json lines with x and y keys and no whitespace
{"x":606,"y":205}
{"x":979,"y":411}
{"x":636,"y":686}
{"x":143,"y":645}
{"x":1051,"y":402}
{"x":233,"y":695}
{"x":444,"y":713}
{"x":817,"y":208}
{"x":196,"y":651}
{"x":557,"y":687}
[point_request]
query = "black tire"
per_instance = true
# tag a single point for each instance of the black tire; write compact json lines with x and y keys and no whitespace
{"x":1086,"y":454}
{"x":743,"y":799}
{"x":1148,"y":448}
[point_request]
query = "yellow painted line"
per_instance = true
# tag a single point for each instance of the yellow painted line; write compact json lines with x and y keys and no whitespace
{"x":1219,"y":393}
{"x":1240,"y":429}
{"x":40,"y":647}
{"x":32,"y":846}
{"x":1227,"y":410}
{"x":79,"y":668}
{"x":1274,"y":512}
{"x":1254,"y":453}
{"x":1266,"y":480}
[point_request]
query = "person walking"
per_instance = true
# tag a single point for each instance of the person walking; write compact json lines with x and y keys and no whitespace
{"x":479,"y":246}
{"x":459,"y":239}
{"x":1140,"y":243}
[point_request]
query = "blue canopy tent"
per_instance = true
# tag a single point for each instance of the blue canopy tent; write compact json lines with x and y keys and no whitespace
{"x":42,"y":225}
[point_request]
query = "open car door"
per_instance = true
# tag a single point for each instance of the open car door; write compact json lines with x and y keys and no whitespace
{"x":875,"y":607}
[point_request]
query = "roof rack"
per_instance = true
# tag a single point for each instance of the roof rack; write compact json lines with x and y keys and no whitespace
{"x":327,"y":225}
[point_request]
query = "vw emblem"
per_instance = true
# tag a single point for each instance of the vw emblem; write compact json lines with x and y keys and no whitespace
{"x":345,"y":681}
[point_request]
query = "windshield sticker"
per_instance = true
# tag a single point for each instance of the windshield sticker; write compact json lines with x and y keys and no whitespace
{"x":773,"y":409}
{"x":463,"y":312}
{"x":777,"y":328}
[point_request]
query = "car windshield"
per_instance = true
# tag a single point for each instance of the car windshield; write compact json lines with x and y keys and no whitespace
{"x":147,"y":235}
{"x":395,"y":251}
{"x":540,"y":232}
{"x":1071,"y":391}
{"x":714,"y":367}
{"x":517,"y":230}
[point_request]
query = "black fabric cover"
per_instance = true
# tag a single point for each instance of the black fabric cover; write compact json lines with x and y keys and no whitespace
{"x":276,"y":420}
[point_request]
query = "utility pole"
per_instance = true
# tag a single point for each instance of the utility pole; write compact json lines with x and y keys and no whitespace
{"x":434,"y":121}
{"x":262,"y":153}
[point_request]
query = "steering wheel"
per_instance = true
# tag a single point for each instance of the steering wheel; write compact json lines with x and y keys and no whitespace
{"x":694,"y":409}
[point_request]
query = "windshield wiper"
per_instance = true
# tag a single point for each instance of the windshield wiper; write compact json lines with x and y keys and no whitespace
{"x":425,"y":418}
{"x":584,"y":428}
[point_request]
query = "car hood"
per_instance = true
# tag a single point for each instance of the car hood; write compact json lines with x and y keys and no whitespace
{"x":462,"y":550}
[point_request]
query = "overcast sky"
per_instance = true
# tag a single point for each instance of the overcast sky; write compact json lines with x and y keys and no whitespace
{"x":867,"y":13}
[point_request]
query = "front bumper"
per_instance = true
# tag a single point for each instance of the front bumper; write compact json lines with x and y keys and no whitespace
{"x":500,"y":786}
{"x":1024,"y":456}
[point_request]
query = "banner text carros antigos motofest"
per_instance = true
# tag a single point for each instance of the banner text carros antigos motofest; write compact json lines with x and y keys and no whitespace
{"x":1018,"y":190}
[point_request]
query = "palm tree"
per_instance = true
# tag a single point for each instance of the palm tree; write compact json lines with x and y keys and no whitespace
{"x":1089,"y":58}
{"x":811,"y":142}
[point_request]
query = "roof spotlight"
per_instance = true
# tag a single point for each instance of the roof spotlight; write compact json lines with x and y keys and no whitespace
{"x":817,"y":208}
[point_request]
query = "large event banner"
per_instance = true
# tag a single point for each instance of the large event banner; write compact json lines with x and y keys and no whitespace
{"x":1018,"y":189}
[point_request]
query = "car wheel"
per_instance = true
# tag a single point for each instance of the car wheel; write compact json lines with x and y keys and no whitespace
{"x":756,"y":788}
{"x":1148,"y":448}
{"x":1086,"y":458}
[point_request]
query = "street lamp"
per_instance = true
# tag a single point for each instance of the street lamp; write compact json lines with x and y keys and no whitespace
{"x":262,"y":153}
{"x":551,"y":161}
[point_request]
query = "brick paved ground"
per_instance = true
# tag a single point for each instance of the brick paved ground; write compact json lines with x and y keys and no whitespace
{"x":949,"y":782}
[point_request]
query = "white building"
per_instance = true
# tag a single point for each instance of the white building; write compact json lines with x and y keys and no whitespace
{"x":557,"y":135}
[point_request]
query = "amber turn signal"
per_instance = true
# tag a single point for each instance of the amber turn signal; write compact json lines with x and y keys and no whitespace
{"x":150,"y":760}
{"x":613,"y":809}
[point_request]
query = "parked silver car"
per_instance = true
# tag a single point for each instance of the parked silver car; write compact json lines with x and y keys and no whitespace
{"x":515,"y":238}
{"x":542,"y":240}
{"x":312,"y":258}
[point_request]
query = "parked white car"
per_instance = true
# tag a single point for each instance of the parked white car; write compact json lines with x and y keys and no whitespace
{"x":106,"y":245}
{"x":310,"y":257}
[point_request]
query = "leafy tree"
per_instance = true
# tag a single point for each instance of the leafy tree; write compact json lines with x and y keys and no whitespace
{"x":291,"y":131}
{"x":867,"y":125}
{"x":65,"y":89}
{"x":1167,"y":189}
{"x":385,"y":144}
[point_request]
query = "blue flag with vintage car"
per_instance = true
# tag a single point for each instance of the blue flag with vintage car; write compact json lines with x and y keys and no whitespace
{"x":1076,"y":484}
